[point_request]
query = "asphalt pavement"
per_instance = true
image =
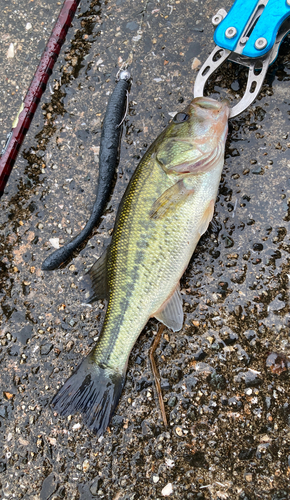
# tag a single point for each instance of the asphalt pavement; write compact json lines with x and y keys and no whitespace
{"x":225,"y":375}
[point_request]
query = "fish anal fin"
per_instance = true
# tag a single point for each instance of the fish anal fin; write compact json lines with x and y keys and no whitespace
{"x":206,"y":218}
{"x":95,"y":281}
{"x":171,"y":312}
{"x":171,"y":198}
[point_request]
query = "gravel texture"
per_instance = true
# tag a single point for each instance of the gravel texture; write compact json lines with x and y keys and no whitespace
{"x":225,"y":376}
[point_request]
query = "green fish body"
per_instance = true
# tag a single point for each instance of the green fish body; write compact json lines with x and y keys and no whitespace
{"x":166,"y":208}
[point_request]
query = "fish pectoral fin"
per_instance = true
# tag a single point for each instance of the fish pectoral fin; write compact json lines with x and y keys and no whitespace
{"x":95,"y":280}
{"x":206,"y":218}
{"x":172,"y":197}
{"x":171,"y":312}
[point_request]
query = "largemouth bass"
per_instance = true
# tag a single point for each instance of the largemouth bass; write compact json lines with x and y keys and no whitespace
{"x":167,"y":206}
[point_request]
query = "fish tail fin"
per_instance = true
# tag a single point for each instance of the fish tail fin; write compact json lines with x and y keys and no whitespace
{"x":94,"y":390}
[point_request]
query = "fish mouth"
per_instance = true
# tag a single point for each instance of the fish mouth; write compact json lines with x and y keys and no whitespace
{"x":207,"y":103}
{"x":226,"y":106}
{"x":226,"y":102}
{"x":211,"y":104}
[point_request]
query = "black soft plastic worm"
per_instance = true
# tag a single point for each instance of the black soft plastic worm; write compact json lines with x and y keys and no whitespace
{"x":108,"y":161}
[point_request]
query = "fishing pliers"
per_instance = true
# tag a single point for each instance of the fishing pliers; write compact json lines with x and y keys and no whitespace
{"x":250,"y":34}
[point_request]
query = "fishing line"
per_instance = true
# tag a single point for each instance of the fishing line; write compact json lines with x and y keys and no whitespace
{"x":108,"y":159}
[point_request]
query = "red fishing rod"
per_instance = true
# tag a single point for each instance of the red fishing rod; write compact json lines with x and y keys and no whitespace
{"x":28,"y":107}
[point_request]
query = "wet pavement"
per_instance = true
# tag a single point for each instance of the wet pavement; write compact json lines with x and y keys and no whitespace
{"x":225,"y":376}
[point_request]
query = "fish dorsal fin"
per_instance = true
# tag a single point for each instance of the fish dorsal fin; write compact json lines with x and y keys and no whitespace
{"x":171,"y":312}
{"x":170,"y":199}
{"x":206,"y":218}
{"x":95,"y":280}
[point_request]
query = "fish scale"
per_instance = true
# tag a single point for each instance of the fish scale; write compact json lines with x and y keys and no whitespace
{"x":167,"y":206}
{"x":163,"y":260}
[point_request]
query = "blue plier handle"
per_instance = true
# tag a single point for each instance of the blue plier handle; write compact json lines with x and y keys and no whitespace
{"x":250,"y":35}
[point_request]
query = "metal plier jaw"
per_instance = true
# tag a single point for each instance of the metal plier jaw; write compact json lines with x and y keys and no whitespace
{"x":250,"y":35}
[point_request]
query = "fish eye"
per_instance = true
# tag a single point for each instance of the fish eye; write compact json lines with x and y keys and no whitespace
{"x":180,"y":117}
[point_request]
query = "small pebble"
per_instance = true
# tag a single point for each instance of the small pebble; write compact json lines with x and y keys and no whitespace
{"x":95,"y":486}
{"x":76,"y":427}
{"x":11,"y":52}
{"x":54,"y":242}
{"x":167,"y":490}
{"x":45,"y":349}
{"x":28,"y":26}
{"x":172,"y":401}
{"x":69,"y":345}
{"x":277,"y":363}
{"x":155,"y":479}
{"x":86,"y":465}
{"x":195,"y":63}
{"x":8,"y":395}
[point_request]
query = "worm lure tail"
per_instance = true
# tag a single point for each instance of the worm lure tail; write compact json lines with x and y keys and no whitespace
{"x":108,"y":161}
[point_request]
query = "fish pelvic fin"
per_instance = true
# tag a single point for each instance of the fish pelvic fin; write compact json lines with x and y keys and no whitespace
{"x":206,"y":218}
{"x":93,"y":390}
